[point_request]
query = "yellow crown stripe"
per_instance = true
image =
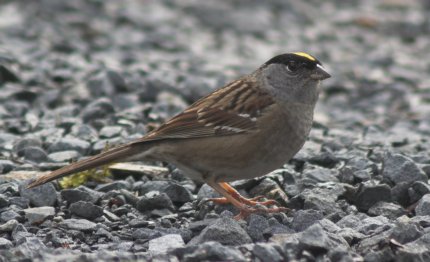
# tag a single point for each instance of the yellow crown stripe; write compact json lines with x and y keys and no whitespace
{"x":308,"y":56}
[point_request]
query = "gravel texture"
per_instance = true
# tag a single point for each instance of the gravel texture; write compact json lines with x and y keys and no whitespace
{"x":78,"y":75}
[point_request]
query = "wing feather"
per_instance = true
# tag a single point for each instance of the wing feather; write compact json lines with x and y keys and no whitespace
{"x":227,"y":111}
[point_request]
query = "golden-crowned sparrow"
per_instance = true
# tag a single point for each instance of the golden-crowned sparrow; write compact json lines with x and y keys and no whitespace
{"x":243,"y":130}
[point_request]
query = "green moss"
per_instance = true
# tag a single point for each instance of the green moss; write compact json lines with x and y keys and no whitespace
{"x":99,"y":175}
{"x":94,"y":174}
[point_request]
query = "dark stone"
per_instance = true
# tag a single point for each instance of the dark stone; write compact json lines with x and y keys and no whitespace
{"x":78,"y":224}
{"x":176,"y":192}
{"x":65,"y":144}
{"x":406,"y":232}
{"x":316,"y":239}
{"x":4,"y":202}
{"x":324,"y":159}
{"x":209,"y":251}
{"x":304,"y":218}
{"x":415,"y":251}
{"x":369,"y":193}
{"x":197,"y":226}
{"x":7,"y":75}
{"x":6,"y":166}
{"x":20,"y":202}
{"x":97,"y":109}
{"x":86,"y":210}
{"x":115,"y":185}
{"x":321,"y":175}
{"x":44,"y":195}
{"x":10,"y":215}
{"x":80,"y":194}
{"x":146,"y":233}
{"x":400,"y":193}
{"x":225,"y":231}
{"x":398,"y":168}
{"x":417,"y":190}
{"x":266,"y":252}
{"x":389,"y":210}
{"x":257,"y":225}
{"x":276,"y":228}
{"x":35,"y":154}
{"x":24,"y":143}
{"x":159,"y":201}
{"x":423,"y":207}
{"x":373,"y":225}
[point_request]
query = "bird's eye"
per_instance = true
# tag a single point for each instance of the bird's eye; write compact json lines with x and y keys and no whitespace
{"x":292,"y":66}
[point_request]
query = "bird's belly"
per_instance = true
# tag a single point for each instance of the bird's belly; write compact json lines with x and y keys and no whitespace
{"x":218,"y":158}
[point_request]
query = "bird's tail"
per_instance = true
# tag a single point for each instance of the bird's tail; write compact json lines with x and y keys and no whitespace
{"x":108,"y":157}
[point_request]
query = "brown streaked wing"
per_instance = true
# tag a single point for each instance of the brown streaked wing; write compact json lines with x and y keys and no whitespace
{"x":227,"y":111}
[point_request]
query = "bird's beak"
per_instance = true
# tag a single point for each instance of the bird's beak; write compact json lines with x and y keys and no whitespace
{"x":320,"y":73}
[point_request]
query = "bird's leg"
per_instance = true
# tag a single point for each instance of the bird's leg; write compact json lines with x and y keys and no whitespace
{"x":248,"y":201}
{"x":244,"y":209}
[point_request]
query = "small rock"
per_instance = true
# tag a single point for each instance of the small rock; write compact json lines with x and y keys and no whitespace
{"x":406,"y":232}
{"x":165,"y":243}
{"x":266,"y":252}
{"x":115,"y":185}
{"x":417,"y":190}
{"x":78,"y":224}
{"x":423,"y":207}
{"x":97,"y":109}
{"x":315,"y":238}
{"x":225,"y":231}
{"x":44,"y":195}
{"x":7,"y":75}
{"x":5,"y":244}
{"x":9,"y":226}
{"x":35,"y":154}
{"x":398,"y":168}
{"x":210,"y":251}
{"x":257,"y":225}
{"x":70,"y":143}
{"x":10,"y":215}
{"x":145,"y":233}
{"x":369,"y":193}
{"x":110,"y":131}
{"x":176,"y":192}
{"x":64,"y":156}
{"x":81,"y":193}
{"x":389,"y":210}
{"x":38,"y":214}
{"x":158,"y":201}
{"x":6,"y":166}
{"x":304,"y":218}
{"x":4,"y":202}
{"x":372,"y":225}
{"x":86,"y":210}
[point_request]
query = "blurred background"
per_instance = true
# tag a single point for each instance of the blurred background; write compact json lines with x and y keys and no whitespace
{"x":111,"y":70}
{"x":78,"y":75}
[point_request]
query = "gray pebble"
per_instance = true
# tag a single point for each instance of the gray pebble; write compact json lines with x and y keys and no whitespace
{"x":78,"y":224}
{"x":64,"y":156}
{"x":225,"y":231}
{"x":165,"y":243}
{"x":86,"y":210}
{"x":37,"y":215}
{"x":423,"y":207}
{"x":44,"y":195}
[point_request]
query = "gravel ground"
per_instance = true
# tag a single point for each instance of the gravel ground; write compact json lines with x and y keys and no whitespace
{"x":75,"y":75}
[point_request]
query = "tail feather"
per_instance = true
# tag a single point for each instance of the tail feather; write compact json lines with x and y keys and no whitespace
{"x":108,"y":157}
